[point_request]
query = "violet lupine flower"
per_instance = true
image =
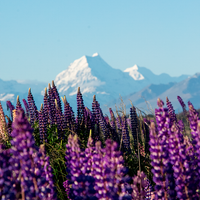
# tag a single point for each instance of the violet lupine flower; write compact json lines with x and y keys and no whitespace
{"x":68,"y":115}
{"x":171,"y":111}
{"x":56,"y":95}
{"x":195,"y":133}
{"x":52,"y":111}
{"x":42,"y":126}
{"x":163,"y":122}
{"x":109,"y":172}
{"x":182,"y":165}
{"x":102,"y":122}
{"x":139,"y":185}
{"x":48,"y":172}
{"x":80,"y":184}
{"x":181,"y":126}
{"x":112,"y":122}
{"x":9,"y":125}
{"x":26,"y":107}
{"x":46,"y":107}
{"x":32,"y":108}
{"x":18,"y":105}
{"x":11,"y":107}
{"x":125,"y":135}
{"x":98,"y":173}
{"x":156,"y":162}
{"x":59,"y":121}
{"x":119,"y":128}
{"x":182,"y":104}
{"x":28,"y":173}
{"x":128,"y":120}
{"x":112,"y":127}
{"x":149,"y":190}
{"x":95,"y":121}
{"x":134,"y":126}
{"x":88,"y":118}
{"x":80,"y":111}
{"x":6,"y":183}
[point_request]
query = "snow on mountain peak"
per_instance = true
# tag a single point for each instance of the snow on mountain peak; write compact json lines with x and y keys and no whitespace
{"x":133,"y":72}
{"x":77,"y":74}
{"x":95,"y":54}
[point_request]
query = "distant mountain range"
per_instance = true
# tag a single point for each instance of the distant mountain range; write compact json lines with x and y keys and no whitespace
{"x":94,"y":76}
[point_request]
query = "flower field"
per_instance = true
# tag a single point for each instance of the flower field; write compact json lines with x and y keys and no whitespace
{"x":53,"y":153}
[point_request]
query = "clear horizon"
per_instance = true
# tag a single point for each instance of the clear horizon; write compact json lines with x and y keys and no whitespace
{"x":39,"y":39}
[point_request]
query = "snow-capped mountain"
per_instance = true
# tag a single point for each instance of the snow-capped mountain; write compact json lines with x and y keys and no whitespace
{"x":133,"y":72}
{"x":147,"y":77}
{"x":94,"y":77}
{"x":188,"y":90}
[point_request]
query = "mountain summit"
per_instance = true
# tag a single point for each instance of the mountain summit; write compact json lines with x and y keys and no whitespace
{"x":133,"y":72}
{"x":94,"y":77}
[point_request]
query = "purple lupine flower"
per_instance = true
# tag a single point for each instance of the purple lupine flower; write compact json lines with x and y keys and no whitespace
{"x":139,"y":185}
{"x":32,"y":108}
{"x":125,"y":135}
{"x":164,"y":123}
{"x":102,"y":121}
{"x":181,"y":126}
{"x":48,"y":172}
{"x":149,"y":190}
{"x":42,"y":126}
{"x":99,"y":169}
{"x":7,"y":190}
{"x":109,"y":172}
{"x":195,"y":133}
{"x":11,"y":107}
{"x":79,"y":184}
{"x":68,"y":115}
{"x":26,"y":107}
{"x":172,"y":114}
{"x":88,"y":118}
{"x":156,"y":162}
{"x":46,"y":107}
{"x":182,"y":165}
{"x":18,"y":105}
{"x":119,"y":127}
{"x":114,"y":134}
{"x":27,"y":172}
{"x":134,"y":126}
{"x":56,"y":95}
{"x":52,"y":108}
{"x":95,"y":122}
{"x":80,"y":111}
{"x":128,"y":120}
{"x":112,"y":122}
{"x":182,"y":104}
{"x":59,"y":121}
{"x":9,"y":125}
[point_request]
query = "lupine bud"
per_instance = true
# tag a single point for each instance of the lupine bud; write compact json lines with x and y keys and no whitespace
{"x":26,"y":107}
{"x":3,"y":128}
{"x":18,"y":105}
{"x":11,"y":107}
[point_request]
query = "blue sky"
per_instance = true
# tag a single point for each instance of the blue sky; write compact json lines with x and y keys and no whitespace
{"x":39,"y":39}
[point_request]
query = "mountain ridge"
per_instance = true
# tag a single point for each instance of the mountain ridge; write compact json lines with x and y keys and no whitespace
{"x":94,"y":77}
